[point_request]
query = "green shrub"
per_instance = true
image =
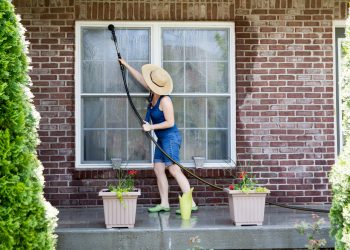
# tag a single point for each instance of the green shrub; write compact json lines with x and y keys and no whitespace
{"x":340,"y":210}
{"x":27,"y":221}
{"x":340,"y":174}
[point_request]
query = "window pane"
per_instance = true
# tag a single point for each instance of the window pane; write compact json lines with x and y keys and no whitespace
{"x":217,"y":112}
{"x":116,"y":146}
{"x":195,"y":77}
{"x":217,"y":45}
{"x":92,"y":76}
{"x":93,"y":112}
{"x":93,"y":43}
{"x":195,"y":143}
{"x":206,"y":59}
{"x":195,"y":112}
{"x":173,"y":44}
{"x":133,"y":85}
{"x":139,"y":146}
{"x":141,"y":104}
{"x":176,"y":71}
{"x":217,"y":76}
{"x":113,"y":78}
{"x":178,"y":103}
{"x":116,"y":112}
{"x":217,"y":145}
{"x":139,"y":45}
{"x":94,"y":145}
{"x":195,"y":44}
{"x":100,"y":66}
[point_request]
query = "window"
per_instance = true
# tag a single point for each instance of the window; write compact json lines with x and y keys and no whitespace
{"x":198,"y":56}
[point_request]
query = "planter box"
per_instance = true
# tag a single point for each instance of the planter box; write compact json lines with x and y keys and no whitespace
{"x":246,"y":208}
{"x":119,"y":214}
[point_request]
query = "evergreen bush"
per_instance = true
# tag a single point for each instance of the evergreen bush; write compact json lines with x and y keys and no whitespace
{"x":27,"y":221}
{"x":340,"y":174}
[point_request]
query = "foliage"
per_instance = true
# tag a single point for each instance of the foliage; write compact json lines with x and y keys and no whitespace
{"x":340,"y":174}
{"x":125,"y":183}
{"x":27,"y":221}
{"x":345,"y":88}
{"x":311,"y":230}
{"x":246,"y":184}
{"x":340,"y":210}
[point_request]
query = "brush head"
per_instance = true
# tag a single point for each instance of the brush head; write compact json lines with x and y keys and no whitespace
{"x":111,"y":27}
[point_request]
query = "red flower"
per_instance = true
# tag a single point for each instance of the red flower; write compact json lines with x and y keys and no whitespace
{"x":231,"y":187}
{"x":132,"y":172}
{"x":243,"y":175}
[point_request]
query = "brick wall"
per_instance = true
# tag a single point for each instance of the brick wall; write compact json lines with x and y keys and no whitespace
{"x":285,"y":107}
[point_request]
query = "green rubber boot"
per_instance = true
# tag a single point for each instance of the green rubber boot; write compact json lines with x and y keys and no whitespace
{"x":158,"y":208}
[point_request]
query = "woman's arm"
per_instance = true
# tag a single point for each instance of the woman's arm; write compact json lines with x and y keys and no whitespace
{"x":168,"y":110}
{"x":137,"y":75}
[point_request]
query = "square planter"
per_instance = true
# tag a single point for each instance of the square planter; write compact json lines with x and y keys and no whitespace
{"x":119,"y":214}
{"x":246,"y":208}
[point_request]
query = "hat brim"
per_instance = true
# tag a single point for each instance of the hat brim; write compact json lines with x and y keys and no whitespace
{"x":146,"y":73}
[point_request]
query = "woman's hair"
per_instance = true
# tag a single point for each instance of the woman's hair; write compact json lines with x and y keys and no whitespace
{"x":150,"y":97}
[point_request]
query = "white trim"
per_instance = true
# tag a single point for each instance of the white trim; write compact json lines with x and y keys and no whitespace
{"x":145,"y":95}
{"x":340,"y":117}
{"x":155,"y":43}
{"x":232,"y":90}
{"x":77,"y":86}
{"x":339,"y":23}
{"x":337,"y":123}
{"x":89,"y":166}
{"x":335,"y":83}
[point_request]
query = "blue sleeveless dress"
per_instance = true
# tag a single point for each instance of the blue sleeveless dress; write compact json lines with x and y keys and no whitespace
{"x":169,"y":139}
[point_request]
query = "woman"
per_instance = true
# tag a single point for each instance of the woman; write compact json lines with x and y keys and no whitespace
{"x":161,"y":112}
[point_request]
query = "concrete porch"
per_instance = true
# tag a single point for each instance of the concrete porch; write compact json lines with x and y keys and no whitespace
{"x":83,"y":228}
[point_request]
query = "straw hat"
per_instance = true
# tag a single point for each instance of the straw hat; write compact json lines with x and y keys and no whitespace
{"x":157,"y":79}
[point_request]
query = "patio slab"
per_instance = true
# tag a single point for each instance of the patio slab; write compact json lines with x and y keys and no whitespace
{"x":83,"y":228}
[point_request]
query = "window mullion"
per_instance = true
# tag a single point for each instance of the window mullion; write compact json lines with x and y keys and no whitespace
{"x":157,"y":49}
{"x":127,"y":129}
{"x":184,"y":100}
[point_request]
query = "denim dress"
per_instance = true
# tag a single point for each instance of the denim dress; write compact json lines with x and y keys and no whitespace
{"x":169,"y":139}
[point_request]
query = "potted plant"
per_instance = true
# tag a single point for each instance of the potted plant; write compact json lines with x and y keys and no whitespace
{"x":120,"y":200}
{"x":246,"y":201}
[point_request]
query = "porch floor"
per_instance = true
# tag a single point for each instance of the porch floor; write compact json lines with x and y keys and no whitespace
{"x":83,"y":228}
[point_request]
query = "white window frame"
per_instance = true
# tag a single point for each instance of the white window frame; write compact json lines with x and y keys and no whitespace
{"x":155,"y":43}
{"x":338,"y":115}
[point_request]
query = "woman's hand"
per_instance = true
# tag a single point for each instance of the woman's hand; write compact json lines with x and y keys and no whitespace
{"x":146,"y":127}
{"x":137,"y":75}
{"x":122,"y":61}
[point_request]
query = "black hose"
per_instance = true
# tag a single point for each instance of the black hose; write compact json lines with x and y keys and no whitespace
{"x":148,"y":134}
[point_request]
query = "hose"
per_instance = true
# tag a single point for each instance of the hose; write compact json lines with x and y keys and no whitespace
{"x":148,"y":134}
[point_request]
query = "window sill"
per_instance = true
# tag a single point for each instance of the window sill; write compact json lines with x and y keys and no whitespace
{"x":146,"y":166}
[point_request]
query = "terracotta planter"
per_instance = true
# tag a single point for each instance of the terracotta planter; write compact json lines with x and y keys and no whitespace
{"x":119,"y":214}
{"x":246,"y":208}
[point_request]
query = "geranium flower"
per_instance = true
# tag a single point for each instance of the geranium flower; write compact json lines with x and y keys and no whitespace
{"x":242,"y":175}
{"x":132,"y":172}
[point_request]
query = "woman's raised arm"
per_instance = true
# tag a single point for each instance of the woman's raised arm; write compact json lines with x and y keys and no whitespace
{"x":137,"y":75}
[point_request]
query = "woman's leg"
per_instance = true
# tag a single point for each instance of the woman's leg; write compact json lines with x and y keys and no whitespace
{"x":181,"y":179}
{"x":162,"y":181}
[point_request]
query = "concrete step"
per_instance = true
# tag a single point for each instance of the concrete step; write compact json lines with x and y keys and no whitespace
{"x":83,"y":228}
